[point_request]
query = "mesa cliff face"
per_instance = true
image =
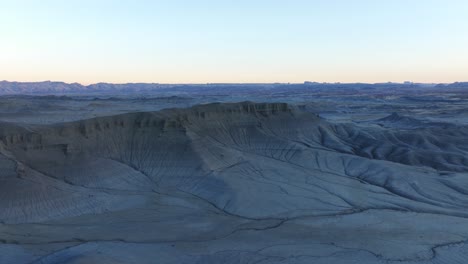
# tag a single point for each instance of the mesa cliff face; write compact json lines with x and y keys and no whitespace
{"x":223,"y":170}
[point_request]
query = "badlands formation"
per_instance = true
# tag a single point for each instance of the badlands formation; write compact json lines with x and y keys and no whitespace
{"x":233,"y":183}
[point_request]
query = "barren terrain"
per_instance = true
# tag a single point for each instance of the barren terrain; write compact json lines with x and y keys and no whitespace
{"x":310,"y":177}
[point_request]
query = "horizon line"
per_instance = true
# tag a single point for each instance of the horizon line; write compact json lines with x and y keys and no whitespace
{"x":230,"y":83}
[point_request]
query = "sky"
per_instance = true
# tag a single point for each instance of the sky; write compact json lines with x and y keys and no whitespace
{"x":221,"y":41}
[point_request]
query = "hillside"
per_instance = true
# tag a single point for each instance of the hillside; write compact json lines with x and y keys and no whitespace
{"x":215,"y":176}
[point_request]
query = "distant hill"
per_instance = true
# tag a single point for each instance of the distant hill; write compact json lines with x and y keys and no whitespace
{"x":60,"y":88}
{"x":49,"y":87}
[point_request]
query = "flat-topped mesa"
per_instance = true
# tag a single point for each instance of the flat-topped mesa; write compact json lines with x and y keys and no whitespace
{"x":245,"y":107}
{"x":217,"y":109}
{"x":176,"y":119}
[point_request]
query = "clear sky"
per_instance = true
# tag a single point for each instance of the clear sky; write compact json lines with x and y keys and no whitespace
{"x":200,"y":41}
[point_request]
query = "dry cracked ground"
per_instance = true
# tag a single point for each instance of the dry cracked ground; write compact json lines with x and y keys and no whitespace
{"x":233,"y":183}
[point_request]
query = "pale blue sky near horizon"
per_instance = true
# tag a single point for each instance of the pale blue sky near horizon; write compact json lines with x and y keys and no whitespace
{"x":234,"y":41}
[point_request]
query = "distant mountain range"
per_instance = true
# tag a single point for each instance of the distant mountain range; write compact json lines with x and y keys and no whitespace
{"x":49,"y":87}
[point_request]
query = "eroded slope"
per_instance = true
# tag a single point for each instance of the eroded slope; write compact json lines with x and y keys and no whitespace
{"x":243,"y":182}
